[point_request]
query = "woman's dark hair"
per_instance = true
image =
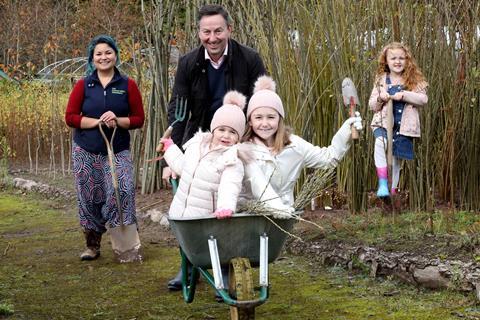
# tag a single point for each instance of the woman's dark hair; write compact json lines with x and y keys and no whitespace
{"x":211,"y":10}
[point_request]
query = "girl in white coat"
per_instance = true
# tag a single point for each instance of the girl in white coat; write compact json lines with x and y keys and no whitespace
{"x":210,"y":172}
{"x":278,"y":155}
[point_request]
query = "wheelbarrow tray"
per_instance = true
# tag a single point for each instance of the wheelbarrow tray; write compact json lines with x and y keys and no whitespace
{"x":238,"y":236}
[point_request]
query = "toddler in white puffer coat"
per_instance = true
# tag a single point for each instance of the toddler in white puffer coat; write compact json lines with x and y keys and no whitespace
{"x":210,"y":171}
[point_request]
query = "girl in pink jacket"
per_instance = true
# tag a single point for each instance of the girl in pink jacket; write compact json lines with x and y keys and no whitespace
{"x":210,"y":171}
{"x":400,"y":79}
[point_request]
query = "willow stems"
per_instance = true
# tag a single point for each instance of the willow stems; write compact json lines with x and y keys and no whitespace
{"x":309,"y":47}
{"x":158,"y":20}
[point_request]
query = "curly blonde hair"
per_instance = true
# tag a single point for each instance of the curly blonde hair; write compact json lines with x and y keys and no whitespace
{"x":412,"y":75}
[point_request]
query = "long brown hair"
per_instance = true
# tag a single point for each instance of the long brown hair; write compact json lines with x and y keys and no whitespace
{"x":412,"y":75}
{"x":282,"y":136}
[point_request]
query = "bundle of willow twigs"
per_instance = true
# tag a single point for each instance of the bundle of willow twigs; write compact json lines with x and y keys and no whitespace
{"x":258,"y":207}
{"x":317,"y":182}
{"x":314,"y":185}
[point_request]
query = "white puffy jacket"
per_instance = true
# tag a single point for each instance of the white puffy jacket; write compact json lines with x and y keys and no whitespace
{"x":271,"y":178}
{"x":209,"y":179}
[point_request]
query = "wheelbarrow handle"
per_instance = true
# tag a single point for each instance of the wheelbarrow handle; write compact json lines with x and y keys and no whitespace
{"x":166,"y":134}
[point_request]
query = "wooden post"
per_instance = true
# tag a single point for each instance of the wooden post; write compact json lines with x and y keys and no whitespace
{"x":241,"y":286}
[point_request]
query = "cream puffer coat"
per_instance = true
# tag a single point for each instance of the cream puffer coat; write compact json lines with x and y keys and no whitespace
{"x":410,"y":124}
{"x":209,"y":179}
{"x":271,"y":178}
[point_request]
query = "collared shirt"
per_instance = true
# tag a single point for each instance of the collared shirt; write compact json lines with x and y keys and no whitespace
{"x":214,"y":64}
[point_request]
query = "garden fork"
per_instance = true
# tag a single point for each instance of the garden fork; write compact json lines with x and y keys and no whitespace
{"x":180,"y":113}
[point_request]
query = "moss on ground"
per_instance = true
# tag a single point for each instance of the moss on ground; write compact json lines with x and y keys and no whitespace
{"x":41,"y":277}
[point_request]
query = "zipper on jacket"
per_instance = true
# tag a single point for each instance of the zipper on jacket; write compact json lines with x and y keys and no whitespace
{"x":190,"y":186}
{"x":213,"y":202}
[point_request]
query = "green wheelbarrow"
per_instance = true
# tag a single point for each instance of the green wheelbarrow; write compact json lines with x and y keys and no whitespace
{"x":240,"y":243}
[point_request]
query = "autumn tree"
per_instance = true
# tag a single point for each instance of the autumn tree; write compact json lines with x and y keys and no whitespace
{"x":35,"y":33}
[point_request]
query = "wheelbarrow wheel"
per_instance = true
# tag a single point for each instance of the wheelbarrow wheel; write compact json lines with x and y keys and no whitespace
{"x":241,"y":287}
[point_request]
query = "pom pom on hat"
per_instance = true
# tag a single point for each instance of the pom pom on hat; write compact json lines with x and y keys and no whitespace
{"x":264,"y":95}
{"x":235,"y":98}
{"x":231,"y":114}
{"x":265,"y":83}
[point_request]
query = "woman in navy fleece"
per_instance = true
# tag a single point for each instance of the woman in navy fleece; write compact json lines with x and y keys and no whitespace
{"x":104,"y":96}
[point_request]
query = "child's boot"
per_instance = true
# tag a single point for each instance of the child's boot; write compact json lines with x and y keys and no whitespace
{"x":382,"y":182}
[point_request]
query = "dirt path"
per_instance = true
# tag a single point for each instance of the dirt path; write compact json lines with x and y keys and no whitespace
{"x":41,"y":277}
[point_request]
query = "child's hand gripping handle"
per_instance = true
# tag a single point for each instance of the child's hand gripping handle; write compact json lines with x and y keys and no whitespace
{"x":167,"y":134}
{"x":350,"y":100}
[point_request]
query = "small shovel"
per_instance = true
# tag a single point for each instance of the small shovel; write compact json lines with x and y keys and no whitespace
{"x":350,"y":100}
{"x":124,"y":238}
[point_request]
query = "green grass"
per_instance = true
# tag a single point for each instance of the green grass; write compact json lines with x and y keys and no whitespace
{"x":41,"y":277}
{"x":6,"y":309}
{"x":374,"y":227}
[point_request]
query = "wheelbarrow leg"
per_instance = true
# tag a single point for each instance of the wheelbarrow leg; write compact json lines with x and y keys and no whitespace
{"x":189,"y":279}
{"x":216,"y":267}
{"x":263,"y":281}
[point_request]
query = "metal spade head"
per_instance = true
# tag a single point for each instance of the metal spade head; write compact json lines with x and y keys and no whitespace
{"x":349,"y":92}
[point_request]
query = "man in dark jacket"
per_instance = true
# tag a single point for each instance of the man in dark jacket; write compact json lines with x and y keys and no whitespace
{"x":205,"y":74}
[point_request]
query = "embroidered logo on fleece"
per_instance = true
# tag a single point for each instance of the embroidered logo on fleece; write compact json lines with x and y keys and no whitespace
{"x":117,"y":91}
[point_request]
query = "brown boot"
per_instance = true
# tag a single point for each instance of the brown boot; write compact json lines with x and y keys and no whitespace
{"x":92,"y":239}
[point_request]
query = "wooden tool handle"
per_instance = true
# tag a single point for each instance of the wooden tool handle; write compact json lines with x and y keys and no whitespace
{"x":389,"y":135}
{"x":167,"y":134}
{"x":352,"y":114}
{"x":354,"y":133}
